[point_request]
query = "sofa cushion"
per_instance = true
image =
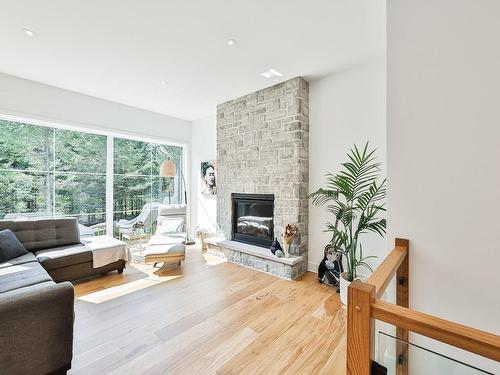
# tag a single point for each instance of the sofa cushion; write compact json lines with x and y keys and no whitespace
{"x":10,"y":247}
{"x":44,"y":233}
{"x":22,"y":275}
{"x":64,"y":256}
{"x":27,"y":289}
{"x":26,"y":258}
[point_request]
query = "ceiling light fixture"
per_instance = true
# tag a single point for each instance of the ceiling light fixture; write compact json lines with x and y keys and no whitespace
{"x":231,"y":42}
{"x":271,"y":73}
{"x":29,"y":32}
{"x":163,"y":83}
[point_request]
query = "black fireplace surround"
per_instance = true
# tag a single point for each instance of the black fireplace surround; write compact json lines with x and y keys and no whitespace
{"x":253,"y":218}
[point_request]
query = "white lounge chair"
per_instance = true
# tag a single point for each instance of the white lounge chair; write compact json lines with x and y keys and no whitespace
{"x":148,"y":217}
{"x":168,"y":244}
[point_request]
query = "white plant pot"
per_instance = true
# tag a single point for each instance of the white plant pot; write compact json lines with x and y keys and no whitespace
{"x":344,"y":284}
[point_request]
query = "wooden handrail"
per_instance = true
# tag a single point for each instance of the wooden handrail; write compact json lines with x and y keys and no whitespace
{"x":364,"y":306}
{"x":388,"y":268}
{"x":360,"y":326}
{"x":463,"y":337}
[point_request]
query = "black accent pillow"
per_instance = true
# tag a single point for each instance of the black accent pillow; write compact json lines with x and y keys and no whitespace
{"x":10,"y":246}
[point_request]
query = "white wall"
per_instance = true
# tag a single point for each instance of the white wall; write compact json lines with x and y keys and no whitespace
{"x":42,"y":102}
{"x":346,"y":108}
{"x":203,"y":207}
{"x":444,"y":155}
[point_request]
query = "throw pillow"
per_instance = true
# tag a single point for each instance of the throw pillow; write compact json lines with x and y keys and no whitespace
{"x":10,"y":246}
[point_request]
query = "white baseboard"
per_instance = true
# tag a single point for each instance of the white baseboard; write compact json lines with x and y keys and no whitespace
{"x":312,"y":267}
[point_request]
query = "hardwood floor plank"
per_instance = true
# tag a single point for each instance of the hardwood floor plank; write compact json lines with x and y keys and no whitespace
{"x":175,"y":305}
{"x":284,"y":299}
{"x":208,"y":317}
{"x":230,"y":321}
{"x":225,"y":351}
{"x":283,"y":340}
{"x":216,"y":307}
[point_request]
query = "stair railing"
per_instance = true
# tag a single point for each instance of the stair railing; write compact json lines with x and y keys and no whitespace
{"x":364,"y":307}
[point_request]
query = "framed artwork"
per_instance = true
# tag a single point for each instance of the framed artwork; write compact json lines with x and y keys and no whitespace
{"x":208,"y":178}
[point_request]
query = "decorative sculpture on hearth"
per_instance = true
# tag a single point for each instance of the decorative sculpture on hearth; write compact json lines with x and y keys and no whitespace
{"x":288,"y":236}
{"x":275,"y":246}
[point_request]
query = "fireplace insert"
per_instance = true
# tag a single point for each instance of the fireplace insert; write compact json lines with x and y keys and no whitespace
{"x":253,"y":218}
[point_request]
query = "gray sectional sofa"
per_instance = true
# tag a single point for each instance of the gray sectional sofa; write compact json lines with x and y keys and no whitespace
{"x":56,"y":245}
{"x":36,"y":313}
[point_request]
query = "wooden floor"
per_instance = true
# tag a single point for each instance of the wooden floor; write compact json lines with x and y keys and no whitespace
{"x":209,"y":317}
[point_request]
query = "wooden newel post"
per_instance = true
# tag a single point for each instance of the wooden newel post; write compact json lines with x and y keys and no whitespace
{"x":360,"y":328}
{"x":402,"y":299}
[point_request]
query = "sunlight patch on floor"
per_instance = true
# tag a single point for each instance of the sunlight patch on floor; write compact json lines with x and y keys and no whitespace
{"x":213,"y":260}
{"x":123,"y":289}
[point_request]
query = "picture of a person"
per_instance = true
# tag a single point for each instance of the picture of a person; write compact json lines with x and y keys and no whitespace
{"x":208,"y":182}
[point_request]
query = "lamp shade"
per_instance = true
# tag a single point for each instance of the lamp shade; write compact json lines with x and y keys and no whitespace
{"x":168,"y":169}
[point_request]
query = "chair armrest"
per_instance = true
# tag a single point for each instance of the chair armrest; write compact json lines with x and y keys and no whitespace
{"x":37,"y":328}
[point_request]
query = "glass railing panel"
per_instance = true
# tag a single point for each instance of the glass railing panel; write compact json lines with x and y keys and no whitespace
{"x":421,"y":360}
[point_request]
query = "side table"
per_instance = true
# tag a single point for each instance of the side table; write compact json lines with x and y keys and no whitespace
{"x":131,"y":237}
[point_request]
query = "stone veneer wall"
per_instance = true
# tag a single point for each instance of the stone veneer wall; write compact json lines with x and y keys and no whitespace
{"x":263,"y":147}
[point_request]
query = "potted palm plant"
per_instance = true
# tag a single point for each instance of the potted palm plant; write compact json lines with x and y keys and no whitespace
{"x":356,"y":198}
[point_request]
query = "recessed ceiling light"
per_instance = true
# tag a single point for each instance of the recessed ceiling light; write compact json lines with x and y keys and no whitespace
{"x":29,"y":32}
{"x":163,"y":83}
{"x":271,"y":73}
{"x":231,"y":42}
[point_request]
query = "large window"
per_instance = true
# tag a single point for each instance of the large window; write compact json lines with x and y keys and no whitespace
{"x":26,"y":169}
{"x":46,"y":172}
{"x":80,"y":176}
{"x":52,"y":172}
{"x":138,"y":189}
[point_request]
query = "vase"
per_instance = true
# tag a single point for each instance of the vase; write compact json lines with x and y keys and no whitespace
{"x":287,"y":241}
{"x":286,"y":248}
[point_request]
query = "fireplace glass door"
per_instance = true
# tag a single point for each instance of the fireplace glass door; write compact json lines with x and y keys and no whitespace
{"x":253,"y":220}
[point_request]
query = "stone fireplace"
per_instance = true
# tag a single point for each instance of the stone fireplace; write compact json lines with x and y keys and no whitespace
{"x":263,"y":150}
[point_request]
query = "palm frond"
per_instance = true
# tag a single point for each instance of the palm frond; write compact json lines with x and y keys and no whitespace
{"x":322,"y":196}
{"x":376,"y":192}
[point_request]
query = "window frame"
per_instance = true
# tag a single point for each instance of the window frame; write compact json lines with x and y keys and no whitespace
{"x":110,"y":134}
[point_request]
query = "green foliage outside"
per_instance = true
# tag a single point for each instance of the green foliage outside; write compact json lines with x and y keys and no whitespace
{"x":47,"y":172}
{"x":136,"y":179}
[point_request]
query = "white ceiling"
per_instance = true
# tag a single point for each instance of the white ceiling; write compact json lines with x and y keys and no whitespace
{"x":121,"y":50}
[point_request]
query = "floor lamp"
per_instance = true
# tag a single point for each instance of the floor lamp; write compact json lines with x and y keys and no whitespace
{"x":169,"y":169}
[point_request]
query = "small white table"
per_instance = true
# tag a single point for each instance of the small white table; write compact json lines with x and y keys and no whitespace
{"x":131,"y":237}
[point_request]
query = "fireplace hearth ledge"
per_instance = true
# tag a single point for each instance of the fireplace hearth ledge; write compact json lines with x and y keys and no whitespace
{"x":256,"y":257}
